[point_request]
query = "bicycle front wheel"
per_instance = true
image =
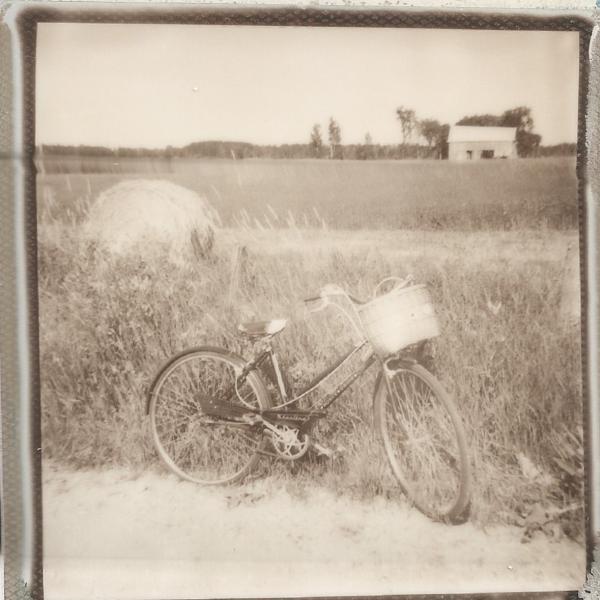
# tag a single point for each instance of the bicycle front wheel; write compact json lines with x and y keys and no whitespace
{"x":197,"y":446}
{"x":425,"y":443}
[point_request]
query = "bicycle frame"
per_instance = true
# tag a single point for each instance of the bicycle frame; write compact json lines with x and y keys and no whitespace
{"x":245,"y":403}
{"x":267,"y":353}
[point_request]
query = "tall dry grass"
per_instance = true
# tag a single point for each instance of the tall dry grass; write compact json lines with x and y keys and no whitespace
{"x":108,"y":323}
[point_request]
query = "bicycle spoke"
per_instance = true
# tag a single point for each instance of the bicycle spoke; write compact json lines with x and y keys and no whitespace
{"x":201,"y":446}
{"x":421,"y":442}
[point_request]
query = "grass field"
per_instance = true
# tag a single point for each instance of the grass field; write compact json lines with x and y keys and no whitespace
{"x":489,"y":195}
{"x":489,"y":239}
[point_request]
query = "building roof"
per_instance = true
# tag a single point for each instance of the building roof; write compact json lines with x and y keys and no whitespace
{"x":469,"y":133}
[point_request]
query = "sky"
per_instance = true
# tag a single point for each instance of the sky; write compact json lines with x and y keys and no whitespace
{"x":157,"y":85}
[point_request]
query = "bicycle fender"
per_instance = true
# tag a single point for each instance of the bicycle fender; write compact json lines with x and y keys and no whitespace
{"x":399,"y":363}
{"x":391,"y":364}
{"x":378,"y":383}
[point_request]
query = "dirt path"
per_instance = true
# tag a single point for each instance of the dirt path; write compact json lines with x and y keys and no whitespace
{"x":118,"y":534}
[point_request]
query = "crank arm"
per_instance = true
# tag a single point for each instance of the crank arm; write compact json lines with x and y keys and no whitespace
{"x":259,"y":419}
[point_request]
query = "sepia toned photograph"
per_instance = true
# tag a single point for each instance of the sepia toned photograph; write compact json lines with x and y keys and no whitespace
{"x":309,"y":310}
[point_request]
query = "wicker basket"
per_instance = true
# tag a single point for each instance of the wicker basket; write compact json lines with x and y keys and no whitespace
{"x":398,"y":319}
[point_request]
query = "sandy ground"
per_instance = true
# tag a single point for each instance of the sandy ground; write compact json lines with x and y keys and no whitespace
{"x":120,"y":534}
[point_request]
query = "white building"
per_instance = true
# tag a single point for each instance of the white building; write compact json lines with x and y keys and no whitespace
{"x":466,"y":142}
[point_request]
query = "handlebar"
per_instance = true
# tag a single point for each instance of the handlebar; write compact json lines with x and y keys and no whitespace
{"x":327,"y":292}
{"x":324,"y":294}
{"x":334,"y":290}
{"x":316,"y":298}
{"x":399,"y":283}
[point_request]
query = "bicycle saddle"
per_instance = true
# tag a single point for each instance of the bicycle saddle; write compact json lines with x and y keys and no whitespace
{"x":262,"y":328}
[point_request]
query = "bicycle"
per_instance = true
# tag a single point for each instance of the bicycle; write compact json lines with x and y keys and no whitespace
{"x":212,"y":413}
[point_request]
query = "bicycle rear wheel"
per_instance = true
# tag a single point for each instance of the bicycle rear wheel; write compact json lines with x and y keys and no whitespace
{"x":425,"y":443}
{"x":197,"y":446}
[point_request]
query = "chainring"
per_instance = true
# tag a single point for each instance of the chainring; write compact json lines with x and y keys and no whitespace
{"x":289,"y":442}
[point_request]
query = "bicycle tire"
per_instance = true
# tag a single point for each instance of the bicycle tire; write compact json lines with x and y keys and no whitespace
{"x":444,"y":495}
{"x":190,"y":443}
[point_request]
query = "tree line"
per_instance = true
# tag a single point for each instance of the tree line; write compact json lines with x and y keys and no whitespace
{"x":428,"y":138}
{"x":237,"y":150}
{"x":420,"y":138}
{"x":435,"y":134}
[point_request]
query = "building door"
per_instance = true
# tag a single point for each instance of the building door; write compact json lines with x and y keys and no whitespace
{"x":469,"y":154}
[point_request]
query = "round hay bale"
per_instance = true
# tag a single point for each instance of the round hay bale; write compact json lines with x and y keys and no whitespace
{"x":143,"y":216}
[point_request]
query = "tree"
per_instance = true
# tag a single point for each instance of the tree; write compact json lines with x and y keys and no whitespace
{"x":366,"y":151}
{"x":316,"y":141}
{"x":481,"y":121}
{"x":368,"y":146}
{"x":519,"y":117}
{"x":442,"y":144}
{"x":528,"y":143}
{"x":335,"y":139}
{"x":432,"y":131}
{"x":408,"y":120}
